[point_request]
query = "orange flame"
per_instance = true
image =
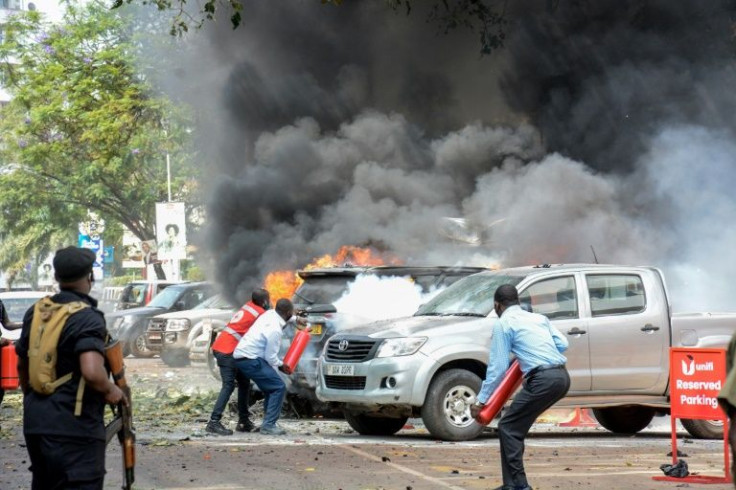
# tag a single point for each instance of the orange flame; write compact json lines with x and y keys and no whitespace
{"x":283,"y":283}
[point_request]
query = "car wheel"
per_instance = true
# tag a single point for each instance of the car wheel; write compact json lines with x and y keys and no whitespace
{"x":175,"y":359}
{"x":624,"y":420}
{"x":374,"y":426}
{"x":138,"y":344}
{"x":446,"y":409}
{"x":704,"y":429}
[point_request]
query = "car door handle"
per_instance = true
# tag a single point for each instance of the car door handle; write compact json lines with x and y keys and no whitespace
{"x":649,"y":328}
{"x":576,"y":331}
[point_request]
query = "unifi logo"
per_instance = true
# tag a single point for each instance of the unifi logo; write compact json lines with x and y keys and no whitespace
{"x":689,"y":367}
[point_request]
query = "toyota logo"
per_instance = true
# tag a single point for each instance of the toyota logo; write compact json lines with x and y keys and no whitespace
{"x":343,"y":345}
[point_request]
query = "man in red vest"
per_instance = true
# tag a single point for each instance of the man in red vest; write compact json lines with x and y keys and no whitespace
{"x":222,"y":349}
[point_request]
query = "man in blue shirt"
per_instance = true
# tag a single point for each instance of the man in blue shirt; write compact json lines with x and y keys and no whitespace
{"x":538,"y":346}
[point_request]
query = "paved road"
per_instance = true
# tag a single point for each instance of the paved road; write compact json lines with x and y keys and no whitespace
{"x":326,"y":454}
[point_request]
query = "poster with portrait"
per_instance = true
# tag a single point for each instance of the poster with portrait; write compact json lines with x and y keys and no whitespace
{"x":171,"y":232}
{"x":132,"y":251}
{"x":46,"y":274}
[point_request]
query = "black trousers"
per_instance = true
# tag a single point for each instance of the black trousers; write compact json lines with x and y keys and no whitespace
{"x":66,"y":462}
{"x":539,"y":392}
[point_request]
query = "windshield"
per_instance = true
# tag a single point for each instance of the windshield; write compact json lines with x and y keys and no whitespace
{"x":215,"y":302}
{"x":322,"y":290}
{"x":166,"y":298}
{"x":470,"y":296}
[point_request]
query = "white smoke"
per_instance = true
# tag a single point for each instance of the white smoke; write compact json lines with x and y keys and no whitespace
{"x":371,"y":298}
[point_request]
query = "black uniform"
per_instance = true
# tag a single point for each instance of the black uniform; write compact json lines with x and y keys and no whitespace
{"x":67,"y":451}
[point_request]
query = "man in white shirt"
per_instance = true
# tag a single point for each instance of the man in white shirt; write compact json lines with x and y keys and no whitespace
{"x":256,"y":356}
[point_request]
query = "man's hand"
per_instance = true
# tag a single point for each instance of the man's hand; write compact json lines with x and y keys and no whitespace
{"x":4,"y":342}
{"x":281,"y":368}
{"x":115,"y":395}
{"x":475,"y":410}
{"x":301,"y":321}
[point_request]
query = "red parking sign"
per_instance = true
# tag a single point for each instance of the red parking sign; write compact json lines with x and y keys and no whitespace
{"x":696,"y":377}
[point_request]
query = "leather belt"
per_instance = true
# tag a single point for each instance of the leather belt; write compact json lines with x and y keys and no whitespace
{"x":543,"y":367}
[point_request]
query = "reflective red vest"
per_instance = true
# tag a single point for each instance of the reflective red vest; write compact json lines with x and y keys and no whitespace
{"x":227,"y":340}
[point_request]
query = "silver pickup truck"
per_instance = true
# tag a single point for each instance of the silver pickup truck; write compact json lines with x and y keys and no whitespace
{"x":617,"y":319}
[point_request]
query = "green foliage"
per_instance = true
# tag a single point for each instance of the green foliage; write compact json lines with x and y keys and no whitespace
{"x":84,"y":130}
{"x":193,"y":273}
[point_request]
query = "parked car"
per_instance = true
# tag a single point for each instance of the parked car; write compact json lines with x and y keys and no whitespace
{"x":171,"y":334}
{"x":17,"y":303}
{"x":129,"y":326}
{"x":140,"y":293}
{"x":616,"y":318}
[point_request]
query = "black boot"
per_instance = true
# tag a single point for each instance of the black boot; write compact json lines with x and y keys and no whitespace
{"x":216,"y":427}
{"x":245,"y":426}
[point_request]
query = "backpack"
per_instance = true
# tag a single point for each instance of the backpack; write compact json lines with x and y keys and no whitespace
{"x":49,"y":319}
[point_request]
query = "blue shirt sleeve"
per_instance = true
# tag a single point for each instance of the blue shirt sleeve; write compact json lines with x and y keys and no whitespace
{"x":560,"y":340}
{"x":498,"y":362}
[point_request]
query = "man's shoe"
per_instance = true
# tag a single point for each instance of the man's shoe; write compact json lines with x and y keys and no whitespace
{"x":273,"y":430}
{"x":215,"y":427}
{"x":245,"y":426}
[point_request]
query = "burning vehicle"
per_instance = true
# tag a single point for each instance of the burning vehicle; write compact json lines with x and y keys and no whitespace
{"x":334,"y":299}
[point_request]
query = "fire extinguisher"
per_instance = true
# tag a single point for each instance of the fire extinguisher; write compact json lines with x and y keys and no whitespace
{"x":298,"y":344}
{"x":509,"y":383}
{"x":9,"y":368}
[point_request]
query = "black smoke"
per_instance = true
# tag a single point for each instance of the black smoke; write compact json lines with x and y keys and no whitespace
{"x":325,"y":126}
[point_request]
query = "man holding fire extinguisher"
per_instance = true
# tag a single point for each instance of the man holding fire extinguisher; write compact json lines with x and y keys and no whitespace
{"x":538,"y":346}
{"x":256,"y":357}
{"x":222,"y":349}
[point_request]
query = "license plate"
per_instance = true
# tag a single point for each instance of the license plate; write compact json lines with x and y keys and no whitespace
{"x":316,"y":329}
{"x":340,"y":369}
{"x":154,"y":336}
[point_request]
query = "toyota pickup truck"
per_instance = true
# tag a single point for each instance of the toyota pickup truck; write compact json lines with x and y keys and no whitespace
{"x":617,"y":319}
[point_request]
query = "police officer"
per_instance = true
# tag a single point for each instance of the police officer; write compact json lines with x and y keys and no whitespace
{"x":67,"y":449}
{"x":538,"y":346}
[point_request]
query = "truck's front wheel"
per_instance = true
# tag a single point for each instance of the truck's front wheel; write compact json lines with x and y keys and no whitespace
{"x":446,"y":409}
{"x":704,"y":429}
{"x":624,"y":420}
{"x":374,"y":426}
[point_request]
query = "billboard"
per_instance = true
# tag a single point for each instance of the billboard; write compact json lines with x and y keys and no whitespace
{"x":132,"y":251}
{"x":171,"y":231}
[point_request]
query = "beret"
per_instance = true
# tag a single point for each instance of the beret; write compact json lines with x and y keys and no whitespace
{"x":72,"y":263}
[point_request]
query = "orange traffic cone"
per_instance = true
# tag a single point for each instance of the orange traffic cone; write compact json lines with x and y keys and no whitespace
{"x":581,"y":418}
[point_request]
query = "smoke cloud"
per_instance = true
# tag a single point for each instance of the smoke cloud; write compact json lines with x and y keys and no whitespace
{"x":601,"y":124}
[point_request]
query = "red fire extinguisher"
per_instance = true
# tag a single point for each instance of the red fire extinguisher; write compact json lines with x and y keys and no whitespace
{"x":505,"y":389}
{"x":298,"y":344}
{"x":9,"y":368}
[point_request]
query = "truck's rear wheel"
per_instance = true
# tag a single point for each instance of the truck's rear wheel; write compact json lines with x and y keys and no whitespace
{"x":704,"y":429}
{"x":624,"y":420}
{"x":374,"y":426}
{"x":446,"y":409}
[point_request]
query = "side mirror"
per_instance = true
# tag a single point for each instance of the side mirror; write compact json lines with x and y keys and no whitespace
{"x":179,"y":305}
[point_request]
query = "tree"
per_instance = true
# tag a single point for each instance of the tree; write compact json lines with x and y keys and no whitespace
{"x":487,"y":17}
{"x":85,"y":130}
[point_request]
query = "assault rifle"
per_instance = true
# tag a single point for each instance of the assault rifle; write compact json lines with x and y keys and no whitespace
{"x":122,"y":423}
